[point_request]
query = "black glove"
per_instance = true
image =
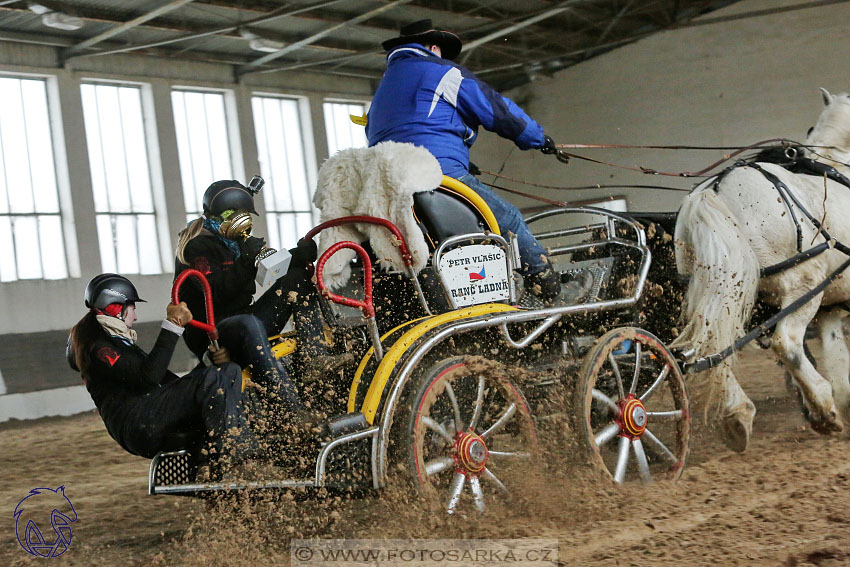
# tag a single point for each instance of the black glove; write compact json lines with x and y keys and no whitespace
{"x":305,"y":252}
{"x":548,"y":147}
{"x":474,"y":169}
{"x":250,"y":247}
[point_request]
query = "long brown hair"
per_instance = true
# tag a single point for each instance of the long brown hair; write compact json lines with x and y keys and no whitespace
{"x":83,"y":335}
{"x":187,"y":234}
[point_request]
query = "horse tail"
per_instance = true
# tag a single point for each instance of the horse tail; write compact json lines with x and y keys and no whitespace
{"x":724,"y":276}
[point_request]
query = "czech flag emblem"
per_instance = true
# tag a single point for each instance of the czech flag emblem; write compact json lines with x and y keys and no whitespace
{"x":477,"y":276}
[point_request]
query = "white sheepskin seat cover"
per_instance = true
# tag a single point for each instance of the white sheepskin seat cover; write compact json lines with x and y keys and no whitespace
{"x":379,"y":181}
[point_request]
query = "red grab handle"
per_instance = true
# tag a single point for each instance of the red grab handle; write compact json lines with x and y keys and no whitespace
{"x":405,"y":252}
{"x":366,"y":306}
{"x":212,"y":332}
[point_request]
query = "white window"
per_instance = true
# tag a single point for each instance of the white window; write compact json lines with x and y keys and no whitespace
{"x":342,"y":132}
{"x":203,"y":145}
{"x":121,"y":182}
{"x":283,"y":164}
{"x":32,"y":245}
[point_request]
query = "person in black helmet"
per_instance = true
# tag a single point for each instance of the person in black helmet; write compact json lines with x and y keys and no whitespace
{"x":140,"y":401}
{"x":220,"y":246}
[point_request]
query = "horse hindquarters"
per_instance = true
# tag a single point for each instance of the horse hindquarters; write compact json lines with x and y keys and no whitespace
{"x":724,"y":274}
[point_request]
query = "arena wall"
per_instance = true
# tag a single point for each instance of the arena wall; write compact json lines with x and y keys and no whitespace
{"x":731,"y":78}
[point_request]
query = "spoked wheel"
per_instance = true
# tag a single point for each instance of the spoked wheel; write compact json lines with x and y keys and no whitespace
{"x":633,"y":408}
{"x":470,"y":435}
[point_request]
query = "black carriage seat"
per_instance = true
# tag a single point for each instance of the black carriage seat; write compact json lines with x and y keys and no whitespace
{"x":442,"y":213}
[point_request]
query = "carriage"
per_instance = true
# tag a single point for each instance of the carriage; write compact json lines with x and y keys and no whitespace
{"x":454,"y":386}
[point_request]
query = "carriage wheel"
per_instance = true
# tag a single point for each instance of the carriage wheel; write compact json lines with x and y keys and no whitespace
{"x":470,"y":435}
{"x":633,"y":408}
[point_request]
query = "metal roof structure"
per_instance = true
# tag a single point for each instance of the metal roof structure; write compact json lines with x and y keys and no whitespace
{"x":506,"y":42}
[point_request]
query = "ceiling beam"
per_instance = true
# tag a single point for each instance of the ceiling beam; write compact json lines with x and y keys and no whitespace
{"x":281,"y":12}
{"x":317,"y":36}
{"x":562,"y":7}
{"x":156,"y":12}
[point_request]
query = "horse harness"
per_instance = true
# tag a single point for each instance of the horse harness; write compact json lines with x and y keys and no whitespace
{"x":794,"y":163}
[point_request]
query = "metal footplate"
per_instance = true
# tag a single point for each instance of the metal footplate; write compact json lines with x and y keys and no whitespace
{"x":175,"y":472}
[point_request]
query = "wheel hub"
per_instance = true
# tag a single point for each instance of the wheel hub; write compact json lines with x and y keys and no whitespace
{"x":633,"y":417}
{"x":470,"y":453}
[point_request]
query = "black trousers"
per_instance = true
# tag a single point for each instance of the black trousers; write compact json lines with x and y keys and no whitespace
{"x":244,"y":336}
{"x":207,"y":403}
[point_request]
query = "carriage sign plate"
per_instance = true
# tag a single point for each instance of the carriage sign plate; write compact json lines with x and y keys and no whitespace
{"x":475,"y":274}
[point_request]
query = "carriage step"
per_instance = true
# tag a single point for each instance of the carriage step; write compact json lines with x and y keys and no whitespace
{"x":347,"y":423}
{"x":200,"y":489}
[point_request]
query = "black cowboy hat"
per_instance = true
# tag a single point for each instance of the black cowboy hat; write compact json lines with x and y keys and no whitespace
{"x":423,"y":32}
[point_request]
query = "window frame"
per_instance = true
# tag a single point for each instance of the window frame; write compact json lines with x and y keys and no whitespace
{"x":308,"y":144}
{"x":155,"y":175}
{"x":367,"y":104}
{"x":233,"y":133}
{"x":61,"y":176}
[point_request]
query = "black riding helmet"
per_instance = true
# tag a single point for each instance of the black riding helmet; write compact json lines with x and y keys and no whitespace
{"x":106,"y":289}
{"x":227,"y":194}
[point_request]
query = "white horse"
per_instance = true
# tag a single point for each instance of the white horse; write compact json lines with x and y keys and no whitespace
{"x":730,"y":228}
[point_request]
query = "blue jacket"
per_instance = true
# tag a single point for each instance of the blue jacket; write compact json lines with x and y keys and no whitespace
{"x":432,"y":102}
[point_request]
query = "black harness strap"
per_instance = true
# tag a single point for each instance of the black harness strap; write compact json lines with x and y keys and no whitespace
{"x":809,"y":166}
{"x":794,"y":260}
{"x":788,"y":197}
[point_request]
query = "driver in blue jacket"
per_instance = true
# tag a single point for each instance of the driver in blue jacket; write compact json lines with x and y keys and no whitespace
{"x":426,"y":99}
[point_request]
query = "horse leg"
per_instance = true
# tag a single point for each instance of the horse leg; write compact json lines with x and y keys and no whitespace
{"x":836,"y":359}
{"x":817,"y":392}
{"x":737,"y":412}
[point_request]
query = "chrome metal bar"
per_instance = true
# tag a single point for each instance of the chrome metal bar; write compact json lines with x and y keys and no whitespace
{"x":622,"y":460}
{"x":376,"y":479}
{"x":595,"y":244}
{"x":453,"y":399}
{"x":376,"y":338}
{"x":479,"y":403}
{"x":648,"y":435}
{"x":599,"y":396}
{"x":436,"y":427}
{"x":548,"y":322}
{"x":658,"y":381}
{"x":232,"y":486}
{"x":321,"y":461}
{"x":411,"y":273}
{"x":639,"y":233}
{"x":677,"y":414}
{"x":616,"y":368}
{"x":642,"y":463}
{"x":606,"y":434}
{"x":501,"y":422}
{"x":570,"y":231}
{"x":455,"y":491}
{"x":634,"y":385}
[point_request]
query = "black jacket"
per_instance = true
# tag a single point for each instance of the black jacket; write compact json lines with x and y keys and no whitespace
{"x":231,"y":280}
{"x":120,"y":374}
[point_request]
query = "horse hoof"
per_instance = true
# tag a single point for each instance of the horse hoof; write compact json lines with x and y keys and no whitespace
{"x":827,"y":426}
{"x":736,"y":433}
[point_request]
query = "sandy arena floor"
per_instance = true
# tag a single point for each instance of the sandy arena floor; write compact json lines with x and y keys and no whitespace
{"x":784,"y":502}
